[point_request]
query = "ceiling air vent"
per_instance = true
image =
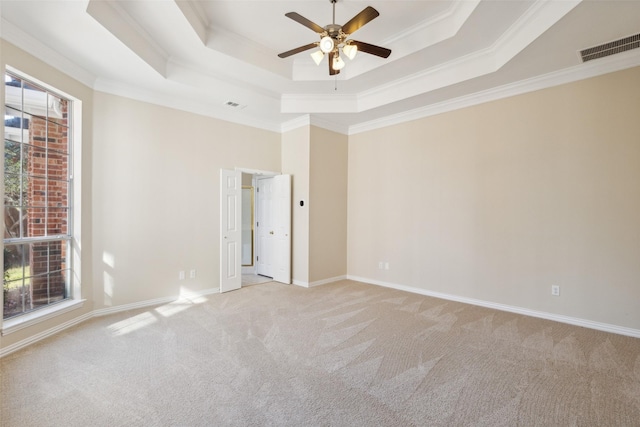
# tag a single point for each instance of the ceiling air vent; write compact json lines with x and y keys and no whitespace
{"x":611,"y":48}
{"x":232,"y":104}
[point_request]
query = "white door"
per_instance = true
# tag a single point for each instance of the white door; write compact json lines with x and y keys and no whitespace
{"x":230,"y":230}
{"x":265,"y":226}
{"x":282,"y":228}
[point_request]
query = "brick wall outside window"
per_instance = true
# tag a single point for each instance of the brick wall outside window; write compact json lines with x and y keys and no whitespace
{"x":48,"y":194}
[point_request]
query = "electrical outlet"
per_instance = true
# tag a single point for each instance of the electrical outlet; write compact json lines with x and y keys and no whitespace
{"x":380,"y":265}
{"x":555,"y":290}
{"x":181,"y":275}
{"x":386,"y":265}
{"x":192,"y":274}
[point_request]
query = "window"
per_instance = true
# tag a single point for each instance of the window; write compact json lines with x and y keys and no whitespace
{"x":37,"y":195}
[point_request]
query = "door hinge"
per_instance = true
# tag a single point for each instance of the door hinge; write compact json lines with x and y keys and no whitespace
{"x":257,"y":258}
{"x":258,"y":190}
{"x":258,"y":224}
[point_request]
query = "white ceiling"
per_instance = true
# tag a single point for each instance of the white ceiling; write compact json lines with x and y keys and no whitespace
{"x":198,"y":55}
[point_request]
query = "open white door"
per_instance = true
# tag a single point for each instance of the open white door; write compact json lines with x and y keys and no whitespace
{"x":230,"y":230}
{"x":282,"y":226}
{"x":265,"y":227}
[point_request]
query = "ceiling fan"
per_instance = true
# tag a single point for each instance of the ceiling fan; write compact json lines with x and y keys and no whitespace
{"x":335,"y":38}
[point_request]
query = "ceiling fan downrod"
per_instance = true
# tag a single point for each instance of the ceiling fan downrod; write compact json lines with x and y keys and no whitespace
{"x":334,"y":10}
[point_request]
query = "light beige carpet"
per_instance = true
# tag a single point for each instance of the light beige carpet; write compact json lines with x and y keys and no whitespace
{"x":343,"y":354}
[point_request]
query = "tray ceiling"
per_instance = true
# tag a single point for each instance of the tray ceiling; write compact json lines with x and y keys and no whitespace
{"x":219,"y":58}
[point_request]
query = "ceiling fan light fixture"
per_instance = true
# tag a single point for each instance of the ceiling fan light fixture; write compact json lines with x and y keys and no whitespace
{"x":338,"y":63}
{"x":350,"y":50}
{"x":326,"y":44}
{"x":317,"y":56}
{"x":334,"y":39}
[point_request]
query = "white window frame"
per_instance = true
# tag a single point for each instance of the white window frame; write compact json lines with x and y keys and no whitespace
{"x":75,"y":300}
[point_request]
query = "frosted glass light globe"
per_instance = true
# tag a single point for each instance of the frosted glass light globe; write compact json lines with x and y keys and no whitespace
{"x":326,"y":44}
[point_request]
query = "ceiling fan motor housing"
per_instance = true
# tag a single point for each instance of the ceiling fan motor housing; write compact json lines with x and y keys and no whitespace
{"x":333,"y":30}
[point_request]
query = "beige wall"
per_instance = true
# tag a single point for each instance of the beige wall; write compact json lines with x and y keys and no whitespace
{"x":156,"y":196}
{"x":20,"y":60}
{"x":295,"y":161}
{"x":317,"y":160}
{"x":500,"y":201}
{"x":328,"y":207}
{"x":150,"y":194}
{"x":496,"y":202}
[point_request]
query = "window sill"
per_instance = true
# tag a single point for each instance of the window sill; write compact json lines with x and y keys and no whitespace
{"x":10,"y":326}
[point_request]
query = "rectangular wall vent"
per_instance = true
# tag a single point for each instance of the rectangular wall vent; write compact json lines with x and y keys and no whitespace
{"x":611,"y":48}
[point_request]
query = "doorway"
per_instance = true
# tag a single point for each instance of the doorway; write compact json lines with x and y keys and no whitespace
{"x":256,"y":245}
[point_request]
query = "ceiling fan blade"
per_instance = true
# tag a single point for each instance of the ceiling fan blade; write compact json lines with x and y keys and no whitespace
{"x":332,"y":72}
{"x":304,"y":21}
{"x":297,"y":50}
{"x":372,"y":49}
{"x":367,"y":14}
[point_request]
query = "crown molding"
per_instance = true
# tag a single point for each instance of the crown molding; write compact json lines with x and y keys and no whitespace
{"x":427,"y":33}
{"x":36,"y":48}
{"x":311,"y":120}
{"x":320,"y":103}
{"x":329,"y":125}
{"x":196,"y":18}
{"x":588,"y":70}
{"x":177,"y":103}
{"x":538,"y":18}
{"x":115,"y":19}
{"x":433,"y":30}
{"x":332,"y":102}
{"x":298,"y":122}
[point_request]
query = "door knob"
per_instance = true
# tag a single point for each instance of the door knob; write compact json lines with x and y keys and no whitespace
{"x":271,"y":232}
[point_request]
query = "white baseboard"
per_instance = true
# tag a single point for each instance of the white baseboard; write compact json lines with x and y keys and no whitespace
{"x":300,"y":283}
{"x":325,"y":281}
{"x":100,"y":312}
{"x":318,"y":282}
{"x":42,"y":335}
{"x":133,"y":306}
{"x":606,"y":327}
{"x":27,"y":320}
{"x":621,"y":330}
{"x":151,"y":302}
